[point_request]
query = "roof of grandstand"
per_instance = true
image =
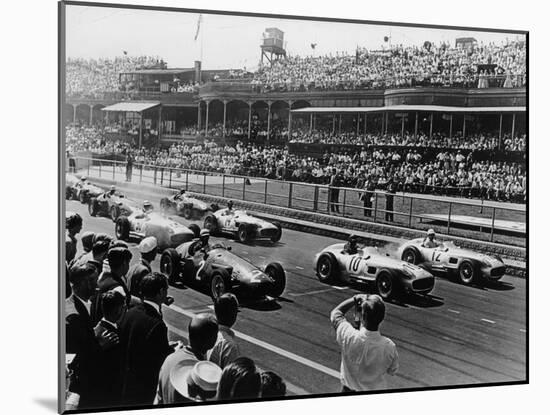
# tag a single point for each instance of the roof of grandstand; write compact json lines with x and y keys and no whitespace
{"x":420,"y":108}
{"x":160,"y":70}
{"x":131,"y":106}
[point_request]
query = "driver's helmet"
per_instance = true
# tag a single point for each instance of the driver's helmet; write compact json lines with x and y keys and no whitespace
{"x":83,"y":179}
{"x":230,"y":205}
{"x":431,"y":232}
{"x":352,"y":239}
{"x":112,"y":190}
{"x":147,"y":206}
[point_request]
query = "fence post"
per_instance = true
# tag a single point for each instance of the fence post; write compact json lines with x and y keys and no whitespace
{"x":170,"y":179}
{"x":410,"y":211}
{"x":89,"y":167}
{"x":290,"y":194}
{"x":155,"y":176}
{"x":329,"y":190}
{"x":375,"y":204}
{"x":140,"y":172}
{"x":344,"y":203}
{"x":161,"y":176}
{"x":315,"y":198}
{"x":114,"y":165}
{"x":449,"y":218}
{"x":493,"y":223}
{"x":223,"y":185}
{"x":100,"y":169}
{"x":204,"y":183}
{"x":244,"y":188}
{"x":186,"y":180}
{"x":265,"y":192}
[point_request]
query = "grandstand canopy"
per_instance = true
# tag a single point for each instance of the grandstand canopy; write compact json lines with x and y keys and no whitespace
{"x":131,"y":106}
{"x":405,"y":108}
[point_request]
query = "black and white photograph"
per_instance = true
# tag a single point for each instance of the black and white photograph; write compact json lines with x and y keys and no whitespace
{"x":263,"y":207}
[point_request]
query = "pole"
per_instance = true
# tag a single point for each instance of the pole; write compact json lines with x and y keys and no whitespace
{"x":410,"y":211}
{"x":500,"y":133}
{"x":206,"y":121}
{"x":451,"y":127}
{"x":268,"y":120}
{"x":513,"y":124}
{"x":199,"y":116}
{"x":314,"y":120}
{"x":402,"y":126}
{"x":464,"y":127}
{"x":333,"y":123}
{"x":310,"y":123}
{"x":140,"y":128}
{"x":91,"y":115}
{"x":223,"y":185}
{"x":290,"y":195}
{"x":159,"y":127}
{"x":74,"y":113}
{"x":449,"y":218}
{"x":365,"y":126}
{"x":386,"y":128}
{"x":249,"y":118}
{"x":493,"y":224}
{"x":340,"y":124}
{"x":289,"y":119}
{"x":431,"y":124}
{"x":416,"y":125}
{"x":375,"y":204}
{"x":224,"y":116}
{"x":265,"y":192}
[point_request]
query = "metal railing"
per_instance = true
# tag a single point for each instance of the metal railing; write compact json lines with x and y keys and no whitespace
{"x":397,"y":209}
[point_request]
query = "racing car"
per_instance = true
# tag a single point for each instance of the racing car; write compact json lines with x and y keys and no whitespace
{"x":140,"y":224}
{"x":188,"y":207}
{"x":392,"y":277}
{"x":112,"y":206}
{"x":242,"y":225}
{"x":80,"y":189}
{"x":223,"y":271}
{"x":447,"y":258}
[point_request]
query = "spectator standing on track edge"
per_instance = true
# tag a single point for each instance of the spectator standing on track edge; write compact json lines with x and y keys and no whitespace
{"x":390,"y":192}
{"x":367,"y":356}
{"x":129,"y":166}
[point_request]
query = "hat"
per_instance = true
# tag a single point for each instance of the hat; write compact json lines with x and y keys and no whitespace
{"x":83,"y":178}
{"x":100,"y":237}
{"x":147,"y":245}
{"x":189,"y":372}
{"x":87,"y":239}
{"x":113,"y":187}
{"x":431,"y":232}
{"x":204,"y":232}
{"x":118,"y":255}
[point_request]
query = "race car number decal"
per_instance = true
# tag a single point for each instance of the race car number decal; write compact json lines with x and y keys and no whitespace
{"x":354,"y":264}
{"x":436,"y":256}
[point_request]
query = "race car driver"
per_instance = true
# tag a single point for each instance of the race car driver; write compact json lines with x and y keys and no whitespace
{"x":147,"y":206}
{"x":430,"y":241}
{"x":180,"y":195}
{"x":351,"y":247}
{"x":229,"y":210}
{"x":200,"y":246}
{"x":111,"y":192}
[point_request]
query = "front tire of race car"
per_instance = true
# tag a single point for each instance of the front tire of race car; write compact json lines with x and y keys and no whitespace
{"x":82,"y":197}
{"x":115,"y":212}
{"x":93,"y":207}
{"x":211,"y":223}
{"x":170,"y":264}
{"x":276,"y":272}
{"x":411,"y":255}
{"x":327,"y":268}
{"x":467,"y":272}
{"x":195,"y":229}
{"x":187,"y":212}
{"x":243,"y":233}
{"x":122,"y":228}
{"x":386,"y":286}
{"x":277,"y":237}
{"x":220,"y":283}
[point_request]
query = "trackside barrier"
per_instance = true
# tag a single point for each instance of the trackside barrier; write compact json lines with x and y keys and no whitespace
{"x":399,"y":209}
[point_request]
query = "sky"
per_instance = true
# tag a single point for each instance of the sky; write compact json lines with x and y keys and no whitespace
{"x":229,"y":41}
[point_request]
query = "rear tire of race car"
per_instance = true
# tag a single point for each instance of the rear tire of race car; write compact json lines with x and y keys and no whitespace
{"x":82,"y":197}
{"x":277,"y":237}
{"x":243,"y":233}
{"x":467,"y":272}
{"x":115,"y":212}
{"x":411,"y":255}
{"x":93,"y":207}
{"x":195,"y":229}
{"x":122,"y":228}
{"x":386,"y":286}
{"x":220,"y":283}
{"x":327,"y":268}
{"x":170,"y":264}
{"x":211,"y":223}
{"x":277,"y":273}
{"x":187,"y":212}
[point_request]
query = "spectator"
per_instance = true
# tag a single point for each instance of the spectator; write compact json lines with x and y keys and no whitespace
{"x":367,"y":356}
{"x":195,"y":381}
{"x":272,"y":385}
{"x":240,"y":380}
{"x":87,"y":239}
{"x":148,"y":251}
{"x":144,"y":341}
{"x":203,"y":332}
{"x":73,"y":223}
{"x":226,"y":348}
{"x":390,"y":192}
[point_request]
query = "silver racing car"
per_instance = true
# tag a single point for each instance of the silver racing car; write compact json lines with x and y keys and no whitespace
{"x":392,"y":277}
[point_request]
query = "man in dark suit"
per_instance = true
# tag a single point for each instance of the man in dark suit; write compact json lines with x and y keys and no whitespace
{"x":144,"y":340}
{"x":148,"y":250}
{"x":80,"y":337}
{"x":391,"y":188}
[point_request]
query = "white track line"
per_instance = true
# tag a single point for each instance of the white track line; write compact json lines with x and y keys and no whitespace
{"x":454,"y":311}
{"x":339,"y":288}
{"x":310,"y":292}
{"x":297,"y":267}
{"x":244,"y":252}
{"x":271,"y":348}
{"x":488,"y":321}
{"x":523,"y":330}
{"x":290,"y":387}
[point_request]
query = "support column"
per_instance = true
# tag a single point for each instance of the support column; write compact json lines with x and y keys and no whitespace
{"x":431,"y":124}
{"x":314,"y":120}
{"x":358,"y":120}
{"x":224,"y":116}
{"x":402,"y":125}
{"x":268,"y":120}
{"x":365,"y":125}
{"x":199,"y":116}
{"x":416,"y":125}
{"x":382,"y":127}
{"x":500,"y":133}
{"x":74,"y":113}
{"x":310,"y":123}
{"x":333,"y":123}
{"x":451,"y":127}
{"x":91,"y":115}
{"x":249,"y":118}
{"x":206,"y":121}
{"x":464,"y":127}
{"x":289,"y":119}
{"x":159,"y":126}
{"x":513,"y":124}
{"x":140,"y":128}
{"x":340,"y":124}
{"x":386,"y":128}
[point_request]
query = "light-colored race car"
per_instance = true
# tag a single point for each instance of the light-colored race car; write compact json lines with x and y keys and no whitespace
{"x":223,"y":271}
{"x":243,"y":225}
{"x":111,"y":205}
{"x":392,"y":277}
{"x":142,"y":224}
{"x":76,"y":188}
{"x":186,"y":206}
{"x":447,"y":258}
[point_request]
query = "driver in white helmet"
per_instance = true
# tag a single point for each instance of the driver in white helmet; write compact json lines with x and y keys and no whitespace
{"x":429,"y":240}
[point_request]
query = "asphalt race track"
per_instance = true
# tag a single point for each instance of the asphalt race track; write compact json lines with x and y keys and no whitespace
{"x":457,"y":335}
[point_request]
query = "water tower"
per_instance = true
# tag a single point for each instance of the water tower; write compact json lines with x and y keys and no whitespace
{"x":273,"y":45}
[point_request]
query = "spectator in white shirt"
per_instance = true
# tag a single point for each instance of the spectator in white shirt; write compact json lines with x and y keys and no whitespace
{"x":367,"y":356}
{"x":226,"y":349}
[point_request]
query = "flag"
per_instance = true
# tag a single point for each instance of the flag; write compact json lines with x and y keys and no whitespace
{"x":198,"y":27}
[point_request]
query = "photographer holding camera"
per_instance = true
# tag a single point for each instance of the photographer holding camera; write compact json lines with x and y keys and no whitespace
{"x":367,"y":356}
